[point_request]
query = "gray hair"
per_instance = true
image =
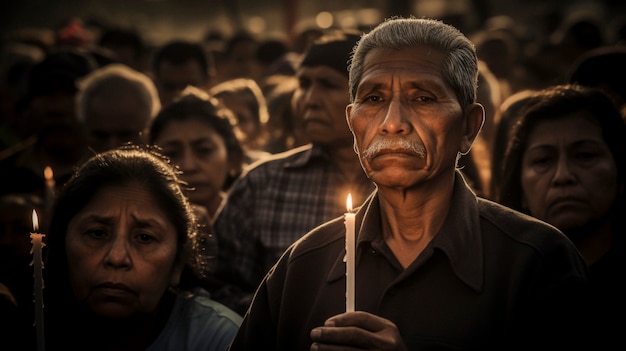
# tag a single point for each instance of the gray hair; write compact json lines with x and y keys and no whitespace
{"x":115,"y":80}
{"x":460,"y":68}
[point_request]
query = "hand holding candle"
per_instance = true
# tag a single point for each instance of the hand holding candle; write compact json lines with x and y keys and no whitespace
{"x":36,"y":240}
{"x":350,"y":254}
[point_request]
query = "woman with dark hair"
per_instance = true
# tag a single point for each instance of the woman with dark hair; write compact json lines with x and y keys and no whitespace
{"x":565,"y":165}
{"x":198,"y":136}
{"x":124,"y":266}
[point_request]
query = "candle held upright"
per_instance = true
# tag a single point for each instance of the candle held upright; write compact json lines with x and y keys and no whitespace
{"x":37,"y":263}
{"x":349,"y":219}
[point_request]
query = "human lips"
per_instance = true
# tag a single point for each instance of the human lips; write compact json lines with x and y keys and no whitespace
{"x":565,"y":201}
{"x":114,"y":289}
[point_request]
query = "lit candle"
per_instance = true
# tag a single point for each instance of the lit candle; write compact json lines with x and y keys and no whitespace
{"x":49,"y":194}
{"x":36,"y":240}
{"x":350,"y":248}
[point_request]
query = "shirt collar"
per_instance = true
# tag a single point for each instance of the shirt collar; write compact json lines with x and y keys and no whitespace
{"x":460,"y":237}
{"x":304,"y":155}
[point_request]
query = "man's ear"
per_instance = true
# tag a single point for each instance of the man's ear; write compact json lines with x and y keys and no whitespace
{"x":473,"y":122}
{"x":348,"y":113}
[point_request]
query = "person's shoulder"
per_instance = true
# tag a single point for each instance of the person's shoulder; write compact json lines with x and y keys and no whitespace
{"x":518,"y":225}
{"x":198,"y":323}
{"x":280,"y":159}
{"x":328,"y":233}
{"x":199,"y":302}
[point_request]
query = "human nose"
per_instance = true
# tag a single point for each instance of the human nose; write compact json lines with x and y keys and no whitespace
{"x":563,"y":173}
{"x":187,"y":162}
{"x":395,"y":122}
{"x":118,"y":255}
{"x":311,"y":94}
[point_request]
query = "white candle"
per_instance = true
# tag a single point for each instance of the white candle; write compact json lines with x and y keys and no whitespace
{"x":36,"y":240}
{"x":350,"y":248}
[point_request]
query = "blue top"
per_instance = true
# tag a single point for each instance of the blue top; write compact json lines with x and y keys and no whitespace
{"x":198,"y":323}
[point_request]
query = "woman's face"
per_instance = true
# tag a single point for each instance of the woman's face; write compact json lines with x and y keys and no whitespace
{"x":569,"y":177}
{"x":200,"y":152}
{"x":121,"y":252}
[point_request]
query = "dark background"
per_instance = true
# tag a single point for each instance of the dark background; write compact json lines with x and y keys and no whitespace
{"x":160,"y":20}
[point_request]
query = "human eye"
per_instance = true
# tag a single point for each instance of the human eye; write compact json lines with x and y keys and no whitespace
{"x":373,"y":99}
{"x":587,"y":155}
{"x":540,"y":161}
{"x":96,"y":233}
{"x":423,"y":99}
{"x":304,"y":83}
{"x":331,"y":84}
{"x":172,"y":154}
{"x":145,"y":238}
{"x":204,"y":149}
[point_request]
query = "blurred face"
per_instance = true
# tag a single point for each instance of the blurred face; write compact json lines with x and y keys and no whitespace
{"x":121,"y":252}
{"x":171,"y":79}
{"x":247,"y":121}
{"x":569,"y":178}
{"x":321,"y":102}
{"x":53,"y":119}
{"x":407,"y":122}
{"x":113,"y":123}
{"x":201,"y":154}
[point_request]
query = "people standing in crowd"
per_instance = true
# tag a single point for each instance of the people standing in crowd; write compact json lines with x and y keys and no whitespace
{"x":244,"y":98}
{"x":285,"y":129}
{"x":279,"y":199}
{"x":127,"y":46}
{"x":510,"y":110}
{"x":116,"y":104}
{"x":436,"y":267}
{"x":574,"y":180}
{"x":603,"y":68}
{"x":197,"y":134}
{"x":178,"y":64}
{"x":238,"y":59}
{"x":124,"y":266}
{"x":47,"y":123}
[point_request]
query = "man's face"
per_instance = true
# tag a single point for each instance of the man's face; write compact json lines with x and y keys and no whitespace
{"x":321,"y":99}
{"x":171,"y":79}
{"x":407,"y":121}
{"x":112,"y":123}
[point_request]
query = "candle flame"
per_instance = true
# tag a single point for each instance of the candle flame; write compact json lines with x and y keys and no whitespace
{"x":35,"y":221}
{"x":49,"y":176}
{"x":349,"y":202}
{"x":47,"y":173}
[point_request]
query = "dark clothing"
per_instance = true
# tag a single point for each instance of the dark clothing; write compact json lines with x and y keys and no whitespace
{"x":492,"y":278}
{"x":607,"y":278}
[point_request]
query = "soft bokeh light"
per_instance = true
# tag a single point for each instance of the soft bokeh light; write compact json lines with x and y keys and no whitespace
{"x":324,"y":19}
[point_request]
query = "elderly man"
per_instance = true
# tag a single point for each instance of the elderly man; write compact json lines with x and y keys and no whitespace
{"x":437,"y":268}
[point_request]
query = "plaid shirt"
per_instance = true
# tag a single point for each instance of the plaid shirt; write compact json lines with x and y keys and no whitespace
{"x":275,"y":203}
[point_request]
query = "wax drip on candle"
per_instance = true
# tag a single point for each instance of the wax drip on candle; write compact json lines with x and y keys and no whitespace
{"x":349,"y":219}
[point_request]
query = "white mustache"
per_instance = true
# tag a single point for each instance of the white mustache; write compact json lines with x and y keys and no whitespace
{"x":379,"y":145}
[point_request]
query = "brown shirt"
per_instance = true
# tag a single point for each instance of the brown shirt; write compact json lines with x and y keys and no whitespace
{"x":492,"y":277}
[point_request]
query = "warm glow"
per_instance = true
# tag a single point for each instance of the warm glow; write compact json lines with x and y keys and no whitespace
{"x":324,"y":19}
{"x":35,"y":222}
{"x":47,"y":173}
{"x":349,"y":202}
